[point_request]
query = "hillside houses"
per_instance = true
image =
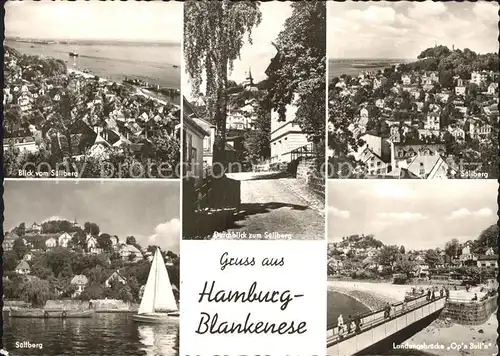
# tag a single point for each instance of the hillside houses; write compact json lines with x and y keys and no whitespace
{"x":414,"y":108}
{"x":109,"y":118}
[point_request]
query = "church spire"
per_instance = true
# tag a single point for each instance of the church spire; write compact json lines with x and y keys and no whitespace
{"x":250,"y":79}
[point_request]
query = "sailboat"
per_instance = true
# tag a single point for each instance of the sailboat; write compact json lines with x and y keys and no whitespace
{"x":158,"y":303}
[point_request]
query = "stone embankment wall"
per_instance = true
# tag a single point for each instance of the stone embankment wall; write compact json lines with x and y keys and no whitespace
{"x":470,"y":313}
{"x":306,"y":173}
{"x":98,"y":305}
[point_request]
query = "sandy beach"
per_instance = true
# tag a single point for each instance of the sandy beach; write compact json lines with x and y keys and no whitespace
{"x":452,"y":336}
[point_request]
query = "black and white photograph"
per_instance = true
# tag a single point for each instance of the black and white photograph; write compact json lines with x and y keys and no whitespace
{"x":413,"y":90}
{"x":412,"y":268}
{"x":91,"y":267}
{"x":254,"y":117}
{"x":92,"y":89}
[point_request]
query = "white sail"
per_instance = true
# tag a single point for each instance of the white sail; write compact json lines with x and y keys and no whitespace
{"x":164,"y":300}
{"x":158,"y":294}
{"x":148,"y":297}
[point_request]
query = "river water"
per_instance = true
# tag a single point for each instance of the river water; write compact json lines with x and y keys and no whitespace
{"x":156,"y":64}
{"x":338,"y":303}
{"x":105,"y":334}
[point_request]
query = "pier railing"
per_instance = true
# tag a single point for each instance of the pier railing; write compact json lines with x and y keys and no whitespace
{"x":372,"y":319}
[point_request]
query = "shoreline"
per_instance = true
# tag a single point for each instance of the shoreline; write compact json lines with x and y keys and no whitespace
{"x":139,"y":91}
{"x":370,"y":300}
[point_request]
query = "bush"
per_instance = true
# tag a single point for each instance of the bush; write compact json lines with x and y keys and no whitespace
{"x":363,"y":274}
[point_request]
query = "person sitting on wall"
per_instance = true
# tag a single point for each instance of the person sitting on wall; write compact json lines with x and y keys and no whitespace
{"x":474,"y":298}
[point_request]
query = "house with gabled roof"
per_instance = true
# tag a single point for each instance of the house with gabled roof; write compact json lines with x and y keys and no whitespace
{"x":117,"y":277}
{"x":22,"y":268}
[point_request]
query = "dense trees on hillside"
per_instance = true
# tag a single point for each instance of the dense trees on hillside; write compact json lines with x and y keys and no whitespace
{"x":214,"y":34}
{"x":51,"y":273}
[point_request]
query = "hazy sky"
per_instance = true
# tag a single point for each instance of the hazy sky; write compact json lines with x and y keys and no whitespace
{"x":147,"y":210}
{"x":419,"y":214}
{"x":259,"y":54}
{"x":403,"y":29}
{"x":156,"y":21}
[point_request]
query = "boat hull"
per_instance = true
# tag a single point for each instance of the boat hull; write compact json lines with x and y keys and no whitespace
{"x":156,"y":318}
{"x":47,"y":313}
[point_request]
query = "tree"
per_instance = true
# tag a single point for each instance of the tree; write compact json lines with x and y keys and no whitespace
{"x":39,"y":267}
{"x":296,"y":74}
{"x":130,"y":240}
{"x":92,"y":291}
{"x":20,"y":230}
{"x":60,"y":260}
{"x":402,"y":250}
{"x":488,"y":238}
{"x":258,"y":139}
{"x":91,"y":228}
{"x":452,"y":248}
{"x":97,"y":275}
{"x":432,"y":258}
{"x":35,"y":291}
{"x":10,"y":260}
{"x":388,"y":255}
{"x":19,"y":248}
{"x":68,"y":111}
{"x":405,"y":266}
{"x":213,"y":38}
{"x":104,"y":241}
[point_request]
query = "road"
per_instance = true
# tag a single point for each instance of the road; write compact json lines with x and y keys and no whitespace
{"x":278,"y":206}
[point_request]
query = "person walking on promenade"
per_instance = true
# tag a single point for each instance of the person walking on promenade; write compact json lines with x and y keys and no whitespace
{"x":447,"y":292}
{"x":340,"y":321}
{"x":340,"y":325}
{"x":357,"y":321}
{"x":433,"y":295}
{"x":353,"y":326}
{"x":387,"y":310}
{"x":428,"y":294}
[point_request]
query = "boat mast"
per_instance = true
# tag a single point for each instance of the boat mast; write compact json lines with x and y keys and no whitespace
{"x":156,"y":280}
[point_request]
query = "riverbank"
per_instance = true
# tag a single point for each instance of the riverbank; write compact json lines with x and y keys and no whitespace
{"x":373,"y":295}
{"x":98,"y":305}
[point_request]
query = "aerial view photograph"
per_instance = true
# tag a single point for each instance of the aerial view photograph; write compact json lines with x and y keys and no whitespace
{"x":91,"y":268}
{"x":89,"y":94}
{"x":254,"y":129}
{"x":406,"y":277}
{"x":413,"y":90}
